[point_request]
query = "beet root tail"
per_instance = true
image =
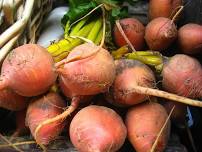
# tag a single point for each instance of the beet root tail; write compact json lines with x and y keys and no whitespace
{"x":60,"y":117}
{"x":166,"y":95}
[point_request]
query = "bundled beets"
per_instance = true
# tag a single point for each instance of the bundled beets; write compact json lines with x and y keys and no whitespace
{"x":87,"y":70}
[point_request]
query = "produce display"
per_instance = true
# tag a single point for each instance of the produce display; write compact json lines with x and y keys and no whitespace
{"x":104,"y":78}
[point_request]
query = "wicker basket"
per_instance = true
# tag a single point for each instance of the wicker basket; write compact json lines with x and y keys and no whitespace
{"x":20,"y":22}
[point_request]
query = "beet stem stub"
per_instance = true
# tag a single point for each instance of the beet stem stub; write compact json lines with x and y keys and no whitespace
{"x":74,"y":104}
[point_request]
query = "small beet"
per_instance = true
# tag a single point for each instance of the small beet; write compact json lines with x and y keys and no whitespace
{"x":190,"y":38}
{"x":160,"y":33}
{"x":41,"y":109}
{"x":134,"y":30}
{"x":163,"y":8}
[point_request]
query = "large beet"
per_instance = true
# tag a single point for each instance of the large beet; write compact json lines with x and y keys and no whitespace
{"x":97,"y":129}
{"x":28,"y":70}
{"x":144,"y":122}
{"x":182,"y":76}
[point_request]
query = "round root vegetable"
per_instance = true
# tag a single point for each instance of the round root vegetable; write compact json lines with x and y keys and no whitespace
{"x":87,"y":70}
{"x":163,"y":8}
{"x":42,"y":109}
{"x":104,"y":131}
{"x":144,"y":122}
{"x":130,"y":73}
{"x":182,"y":76}
{"x":134,"y":30}
{"x":190,"y":38}
{"x":28,"y":70}
{"x":160,"y":33}
{"x":12,"y":101}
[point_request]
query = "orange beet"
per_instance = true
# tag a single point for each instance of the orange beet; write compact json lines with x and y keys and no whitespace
{"x":190,"y":38}
{"x":41,"y":109}
{"x":134,"y":31}
{"x":130,"y":73}
{"x":182,"y":76}
{"x":28,"y":70}
{"x":143,"y":123}
{"x":162,"y":8}
{"x":97,"y":129}
{"x":12,"y":101}
{"x":160,"y":33}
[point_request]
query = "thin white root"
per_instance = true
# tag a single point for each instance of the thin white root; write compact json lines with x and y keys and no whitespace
{"x":60,"y":117}
{"x":16,"y":148}
{"x":177,"y":13}
{"x":86,"y":15}
{"x":166,"y":95}
{"x":82,"y":38}
{"x":18,"y":144}
{"x":124,"y":35}
{"x":104,"y":27}
{"x":161,"y":131}
{"x":75,"y":58}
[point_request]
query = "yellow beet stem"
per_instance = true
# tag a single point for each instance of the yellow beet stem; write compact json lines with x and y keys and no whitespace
{"x":61,"y":49}
{"x":54,"y":48}
{"x":148,"y":52}
{"x":67,"y":26}
{"x":117,"y":54}
{"x":94,"y":32}
{"x":99,"y":37}
{"x":153,"y":60}
{"x":78,"y":26}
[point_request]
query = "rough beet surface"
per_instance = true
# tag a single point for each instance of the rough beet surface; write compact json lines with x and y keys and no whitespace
{"x":97,"y":129}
